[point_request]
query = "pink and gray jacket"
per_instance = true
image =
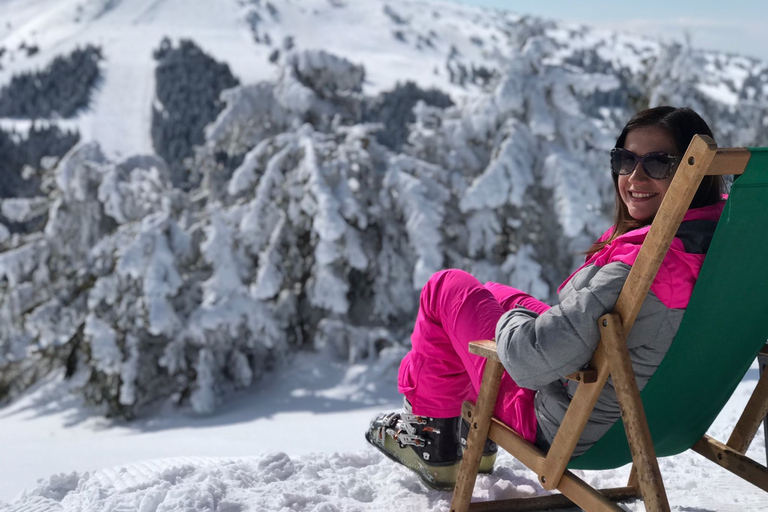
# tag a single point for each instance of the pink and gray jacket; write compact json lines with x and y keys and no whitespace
{"x":539,"y":350}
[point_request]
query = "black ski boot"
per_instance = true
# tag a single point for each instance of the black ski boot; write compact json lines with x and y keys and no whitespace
{"x":428,"y":446}
{"x":489,"y":450}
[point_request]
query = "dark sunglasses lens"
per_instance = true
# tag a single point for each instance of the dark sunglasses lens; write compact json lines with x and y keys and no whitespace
{"x":658,"y":166}
{"x":622,"y":161}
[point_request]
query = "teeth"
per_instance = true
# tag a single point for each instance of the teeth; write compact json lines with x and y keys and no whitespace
{"x":640,"y":195}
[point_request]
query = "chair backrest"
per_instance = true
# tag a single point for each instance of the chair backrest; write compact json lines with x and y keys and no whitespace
{"x":723,"y":329}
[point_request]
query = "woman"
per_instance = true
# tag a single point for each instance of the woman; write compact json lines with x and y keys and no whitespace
{"x":537,"y":344}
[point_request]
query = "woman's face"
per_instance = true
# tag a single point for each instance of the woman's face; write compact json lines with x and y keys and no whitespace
{"x":642,"y":194}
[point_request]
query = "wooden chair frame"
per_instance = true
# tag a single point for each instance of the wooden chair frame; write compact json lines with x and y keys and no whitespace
{"x":612,"y":359}
{"x":762,"y":361}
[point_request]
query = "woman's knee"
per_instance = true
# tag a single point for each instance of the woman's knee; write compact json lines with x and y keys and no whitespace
{"x":448,"y":281}
{"x":445,"y":287}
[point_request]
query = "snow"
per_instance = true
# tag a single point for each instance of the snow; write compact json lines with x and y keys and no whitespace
{"x":620,"y":49}
{"x":106,"y":353}
{"x":295,"y":445}
{"x":422,"y":200}
{"x":318,"y":404}
{"x":508,"y":176}
{"x":128,"y":31}
{"x":18,"y":209}
{"x":395,"y":40}
{"x":721,"y":92}
{"x":294,"y":441}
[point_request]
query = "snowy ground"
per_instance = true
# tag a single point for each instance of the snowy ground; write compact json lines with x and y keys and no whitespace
{"x":296,"y":444}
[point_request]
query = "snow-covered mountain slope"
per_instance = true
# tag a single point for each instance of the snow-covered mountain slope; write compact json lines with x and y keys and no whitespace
{"x":433,"y":43}
{"x":128,"y":32}
{"x":242,"y":34}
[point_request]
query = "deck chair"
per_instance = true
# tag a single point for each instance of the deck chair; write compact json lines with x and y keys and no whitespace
{"x":723,"y":329}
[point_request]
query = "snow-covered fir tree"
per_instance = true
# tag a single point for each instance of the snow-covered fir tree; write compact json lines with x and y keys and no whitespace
{"x":301,"y":227}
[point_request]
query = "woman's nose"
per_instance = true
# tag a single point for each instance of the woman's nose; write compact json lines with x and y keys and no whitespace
{"x":638,"y":173}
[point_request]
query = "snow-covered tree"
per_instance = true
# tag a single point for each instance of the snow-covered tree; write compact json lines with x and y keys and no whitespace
{"x":302,"y":230}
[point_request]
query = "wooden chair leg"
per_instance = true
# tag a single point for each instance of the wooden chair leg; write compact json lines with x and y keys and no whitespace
{"x":633,"y":481}
{"x":478,"y":431}
{"x":754,"y":412}
{"x":635,"y":423}
{"x":762,"y":361}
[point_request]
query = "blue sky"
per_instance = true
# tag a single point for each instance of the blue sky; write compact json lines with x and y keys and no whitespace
{"x":736,"y":26}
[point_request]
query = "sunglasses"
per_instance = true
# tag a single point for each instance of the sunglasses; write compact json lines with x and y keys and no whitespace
{"x":657,"y":166}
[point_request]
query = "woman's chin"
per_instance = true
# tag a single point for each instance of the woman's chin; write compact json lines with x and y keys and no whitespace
{"x":642,"y":215}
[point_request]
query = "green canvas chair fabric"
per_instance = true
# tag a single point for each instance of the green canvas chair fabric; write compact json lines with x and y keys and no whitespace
{"x":723,"y":329}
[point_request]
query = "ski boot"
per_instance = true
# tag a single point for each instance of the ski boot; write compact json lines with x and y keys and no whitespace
{"x":489,"y":450}
{"x":428,"y":446}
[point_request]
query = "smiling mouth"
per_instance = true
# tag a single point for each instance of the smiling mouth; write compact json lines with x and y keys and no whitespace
{"x":641,"y":195}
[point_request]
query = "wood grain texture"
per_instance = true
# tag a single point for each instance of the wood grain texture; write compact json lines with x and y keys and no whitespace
{"x":633,"y":414}
{"x":754,"y":413}
{"x":484,"y":348}
{"x":479,"y":424}
{"x":733,"y":461}
{"x":729,"y":161}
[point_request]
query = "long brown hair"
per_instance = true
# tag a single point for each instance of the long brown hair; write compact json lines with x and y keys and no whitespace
{"x":682,"y":124}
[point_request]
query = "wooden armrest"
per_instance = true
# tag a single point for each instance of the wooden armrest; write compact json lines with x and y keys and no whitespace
{"x":484,"y":348}
{"x":487,"y":349}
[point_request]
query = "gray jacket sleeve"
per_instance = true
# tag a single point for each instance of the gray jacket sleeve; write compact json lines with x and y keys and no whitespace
{"x":539,"y":349}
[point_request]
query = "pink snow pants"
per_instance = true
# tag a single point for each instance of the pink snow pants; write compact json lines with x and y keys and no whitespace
{"x":439,"y":373}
